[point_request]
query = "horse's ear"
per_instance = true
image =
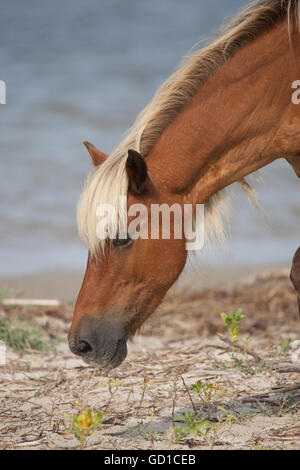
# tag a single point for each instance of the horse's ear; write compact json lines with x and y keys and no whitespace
{"x":98,"y":157}
{"x":136,"y":169}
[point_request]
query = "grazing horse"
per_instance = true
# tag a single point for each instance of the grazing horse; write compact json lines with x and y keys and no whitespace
{"x":229,"y":110}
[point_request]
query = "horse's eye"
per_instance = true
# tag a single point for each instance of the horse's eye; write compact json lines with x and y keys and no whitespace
{"x":122,"y":242}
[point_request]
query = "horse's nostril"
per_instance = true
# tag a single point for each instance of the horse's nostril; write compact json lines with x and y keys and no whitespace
{"x":84,"y":347}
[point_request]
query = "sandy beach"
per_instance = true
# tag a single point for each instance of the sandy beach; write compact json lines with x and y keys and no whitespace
{"x":144,"y":400}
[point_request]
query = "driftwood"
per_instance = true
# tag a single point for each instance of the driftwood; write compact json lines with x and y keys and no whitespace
{"x":282,"y":389}
{"x":32,"y":302}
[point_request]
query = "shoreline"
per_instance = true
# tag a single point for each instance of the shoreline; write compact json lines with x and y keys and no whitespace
{"x":65,"y":285}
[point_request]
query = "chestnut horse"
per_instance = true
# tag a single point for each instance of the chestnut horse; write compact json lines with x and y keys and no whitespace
{"x":228,"y":111}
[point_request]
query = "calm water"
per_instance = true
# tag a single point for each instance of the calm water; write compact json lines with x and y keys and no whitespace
{"x":83,"y":69}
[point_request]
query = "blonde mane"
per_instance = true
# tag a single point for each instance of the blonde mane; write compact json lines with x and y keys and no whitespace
{"x":109,"y":181}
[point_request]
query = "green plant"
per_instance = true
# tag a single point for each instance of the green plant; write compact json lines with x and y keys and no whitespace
{"x":222,"y":420}
{"x":232,"y":322}
{"x":113,"y":386}
{"x":243,"y":364}
{"x":83,"y":423}
{"x":201,"y":428}
{"x":287,"y":405}
{"x":207,"y":392}
{"x":197,"y":427}
{"x":4,"y":293}
{"x":244,"y":367}
{"x":23,"y":339}
{"x":284,"y":346}
{"x":150,"y":435}
{"x":145,"y":385}
{"x":180,"y":433}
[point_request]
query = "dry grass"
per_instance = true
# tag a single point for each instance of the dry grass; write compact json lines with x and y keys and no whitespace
{"x":146,"y":396}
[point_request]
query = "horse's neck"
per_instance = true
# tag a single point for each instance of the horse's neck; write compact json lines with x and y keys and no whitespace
{"x":234,"y":125}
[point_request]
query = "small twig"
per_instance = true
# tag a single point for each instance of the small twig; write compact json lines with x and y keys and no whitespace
{"x":174,"y":401}
{"x":29,"y":443}
{"x":280,"y":438}
{"x":190,"y":397}
{"x":285,"y":368}
{"x":240,"y":348}
{"x":145,"y":383}
{"x":290,"y":388}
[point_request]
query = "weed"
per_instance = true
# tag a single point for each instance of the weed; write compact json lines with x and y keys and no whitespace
{"x":180,"y":433}
{"x":244,"y":367}
{"x":201,"y":428}
{"x":113,"y":386}
{"x":23,"y":339}
{"x":284,"y":346}
{"x":83,"y":424}
{"x":207,"y":392}
{"x":195,"y":426}
{"x":4,"y":293}
{"x":287,"y":405}
{"x":232,"y":322}
{"x":262,"y":367}
{"x":145,"y":385}
{"x":150,"y":435}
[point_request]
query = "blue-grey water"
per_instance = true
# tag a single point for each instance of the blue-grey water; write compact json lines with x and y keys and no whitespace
{"x":83,"y":69}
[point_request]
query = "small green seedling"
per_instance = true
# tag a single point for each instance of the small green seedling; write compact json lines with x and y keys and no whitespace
{"x":195,"y":426}
{"x":200,"y":428}
{"x":232,"y":322}
{"x":284,"y":346}
{"x":207,"y":392}
{"x":113,"y":385}
{"x":180,"y":433}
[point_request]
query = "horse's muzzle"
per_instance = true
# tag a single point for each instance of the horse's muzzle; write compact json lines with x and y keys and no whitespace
{"x":100,"y":342}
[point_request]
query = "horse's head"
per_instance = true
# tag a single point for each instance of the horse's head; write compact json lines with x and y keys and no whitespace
{"x":124,"y":284}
